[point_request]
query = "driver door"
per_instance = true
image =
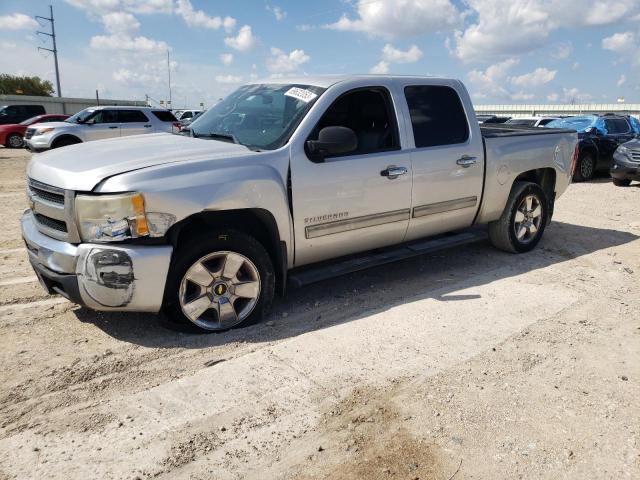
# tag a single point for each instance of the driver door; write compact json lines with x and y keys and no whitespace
{"x":349,"y":203}
{"x":105,"y":125}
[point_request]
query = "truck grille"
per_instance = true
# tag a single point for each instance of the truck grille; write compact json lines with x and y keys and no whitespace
{"x":29,"y":133}
{"x":52,"y":223}
{"x":53,"y":210}
{"x":46,"y":192}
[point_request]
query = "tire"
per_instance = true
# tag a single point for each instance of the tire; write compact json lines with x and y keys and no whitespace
{"x":506,"y":233}
{"x":621,"y":182}
{"x":65,"y":141}
{"x":198,"y":283}
{"x":14,"y":140}
{"x":585,"y":168}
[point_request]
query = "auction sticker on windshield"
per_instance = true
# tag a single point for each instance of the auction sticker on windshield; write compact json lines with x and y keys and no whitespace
{"x":301,"y":94}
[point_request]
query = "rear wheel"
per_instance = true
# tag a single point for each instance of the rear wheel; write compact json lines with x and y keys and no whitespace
{"x":523,"y":220}
{"x":586,"y":167}
{"x":219,"y":281}
{"x":621,"y":182}
{"x":14,"y":140}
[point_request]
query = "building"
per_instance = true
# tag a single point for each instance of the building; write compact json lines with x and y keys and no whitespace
{"x":558,"y":109}
{"x":65,"y":105}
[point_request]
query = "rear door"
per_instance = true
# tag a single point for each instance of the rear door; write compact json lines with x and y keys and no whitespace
{"x":447,"y":158}
{"x":105,"y":125}
{"x":350,"y":203}
{"x":133,"y":122}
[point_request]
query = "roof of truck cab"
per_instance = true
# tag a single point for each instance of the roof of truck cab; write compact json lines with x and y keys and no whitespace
{"x":325,"y":81}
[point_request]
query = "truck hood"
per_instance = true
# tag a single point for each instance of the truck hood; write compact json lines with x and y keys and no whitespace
{"x":82,"y":166}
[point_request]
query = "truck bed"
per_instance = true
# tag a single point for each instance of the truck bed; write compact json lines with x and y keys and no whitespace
{"x":502,"y":130}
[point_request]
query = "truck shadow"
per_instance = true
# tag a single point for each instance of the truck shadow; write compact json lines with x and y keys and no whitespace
{"x":354,"y":296}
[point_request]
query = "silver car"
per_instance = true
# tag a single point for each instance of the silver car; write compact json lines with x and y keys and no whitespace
{"x":98,"y":123}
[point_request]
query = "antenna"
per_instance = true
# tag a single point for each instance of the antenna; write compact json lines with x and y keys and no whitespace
{"x":169,"y":71}
{"x":53,"y":39}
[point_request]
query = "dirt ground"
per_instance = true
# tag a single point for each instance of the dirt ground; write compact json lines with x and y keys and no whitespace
{"x":466,"y":364}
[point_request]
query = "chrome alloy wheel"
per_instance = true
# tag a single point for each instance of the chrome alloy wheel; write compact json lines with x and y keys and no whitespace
{"x":15,"y":141}
{"x":220,"y":290}
{"x":528,"y":218}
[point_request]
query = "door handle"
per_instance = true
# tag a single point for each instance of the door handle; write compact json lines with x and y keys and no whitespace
{"x":392,"y":172}
{"x":147,"y":126}
{"x":466,"y":161}
{"x":114,"y":126}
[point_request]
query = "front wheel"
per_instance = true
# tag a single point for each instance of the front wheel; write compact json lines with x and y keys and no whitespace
{"x":14,"y":141}
{"x":586,"y":168}
{"x":219,"y":281}
{"x":621,"y":182}
{"x":523,"y":220}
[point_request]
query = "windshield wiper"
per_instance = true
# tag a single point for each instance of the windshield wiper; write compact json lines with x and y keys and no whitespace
{"x":225,"y":137}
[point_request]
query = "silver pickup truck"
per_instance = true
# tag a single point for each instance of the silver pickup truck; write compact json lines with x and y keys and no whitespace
{"x":280,"y":179}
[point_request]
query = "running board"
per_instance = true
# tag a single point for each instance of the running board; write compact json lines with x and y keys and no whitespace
{"x":316,"y":273}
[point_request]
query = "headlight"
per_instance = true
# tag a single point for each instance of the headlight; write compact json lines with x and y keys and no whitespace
{"x":623,"y":151}
{"x":109,"y":218}
{"x":42,"y":131}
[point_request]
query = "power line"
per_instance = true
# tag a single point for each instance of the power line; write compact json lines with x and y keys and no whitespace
{"x":53,"y":39}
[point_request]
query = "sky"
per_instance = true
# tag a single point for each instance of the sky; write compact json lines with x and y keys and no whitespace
{"x":506,"y":51}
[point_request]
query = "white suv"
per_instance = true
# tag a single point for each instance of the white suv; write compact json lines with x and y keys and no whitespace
{"x":97,"y":123}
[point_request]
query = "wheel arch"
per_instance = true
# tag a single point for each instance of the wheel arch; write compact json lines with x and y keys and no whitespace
{"x":256,"y":222}
{"x":65,"y":136}
{"x":546,"y":178}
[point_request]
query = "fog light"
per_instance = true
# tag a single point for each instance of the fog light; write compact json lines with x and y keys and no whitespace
{"x":108,"y":277}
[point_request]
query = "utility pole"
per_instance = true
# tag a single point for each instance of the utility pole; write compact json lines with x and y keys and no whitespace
{"x":169,"y":71}
{"x":55,"y":49}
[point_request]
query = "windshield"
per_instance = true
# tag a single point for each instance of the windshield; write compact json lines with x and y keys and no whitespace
{"x":31,"y":120}
{"x":82,"y":116}
{"x":261,"y":117}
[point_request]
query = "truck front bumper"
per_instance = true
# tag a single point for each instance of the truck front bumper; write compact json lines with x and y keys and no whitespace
{"x":104,"y":277}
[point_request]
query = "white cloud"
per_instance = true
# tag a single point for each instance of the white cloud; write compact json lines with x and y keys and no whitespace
{"x":562,"y":51}
{"x":137,"y":79}
{"x":381,"y":67}
{"x":127,"y":43}
{"x":391,"y":54}
{"x":277,"y":12}
{"x":305,"y":27}
{"x":522,"y":96}
{"x":229,"y":79}
{"x":553,"y":97}
{"x":243,"y":41}
{"x":282,"y":62}
{"x":537,"y":78}
{"x":491,"y":80}
{"x":573,"y":95}
{"x":226,"y":58}
{"x":100,"y":7}
{"x":120,"y":23}
{"x":622,"y":43}
{"x":400,"y":18}
{"x":507,"y":28}
{"x":622,"y":80}
{"x":198,"y":18}
{"x":17,"y":21}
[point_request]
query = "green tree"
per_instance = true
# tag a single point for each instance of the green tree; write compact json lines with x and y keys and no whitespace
{"x":16,"y":85}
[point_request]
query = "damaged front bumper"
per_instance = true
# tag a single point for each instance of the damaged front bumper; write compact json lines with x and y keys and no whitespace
{"x":119,"y":277}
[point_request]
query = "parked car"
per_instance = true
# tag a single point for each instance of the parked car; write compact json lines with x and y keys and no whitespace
{"x":282,"y":181}
{"x":626,"y":163}
{"x":186,"y":114}
{"x":599,"y":137}
{"x":11,"y":135}
{"x":530,"y":121}
{"x":491,"y":119}
{"x":184,"y":124}
{"x":97,"y":123}
{"x":12,"y":114}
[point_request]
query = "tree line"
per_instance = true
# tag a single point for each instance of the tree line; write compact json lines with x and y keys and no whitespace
{"x":24,"y":85}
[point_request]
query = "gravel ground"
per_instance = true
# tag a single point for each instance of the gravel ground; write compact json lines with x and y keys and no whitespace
{"x":467,"y":364}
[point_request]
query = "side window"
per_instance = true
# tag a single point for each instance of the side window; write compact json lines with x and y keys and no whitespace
{"x":164,"y":115}
{"x":545,"y":121}
{"x":131,"y":116}
{"x":186,"y":115}
{"x":106,"y":116}
{"x":369,"y":113}
{"x":437,"y":116}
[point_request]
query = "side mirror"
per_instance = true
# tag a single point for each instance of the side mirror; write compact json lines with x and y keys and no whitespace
{"x":332,"y":141}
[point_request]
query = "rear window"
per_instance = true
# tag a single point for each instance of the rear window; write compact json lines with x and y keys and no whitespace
{"x":437,"y":116}
{"x":131,"y":116}
{"x":164,"y":115}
